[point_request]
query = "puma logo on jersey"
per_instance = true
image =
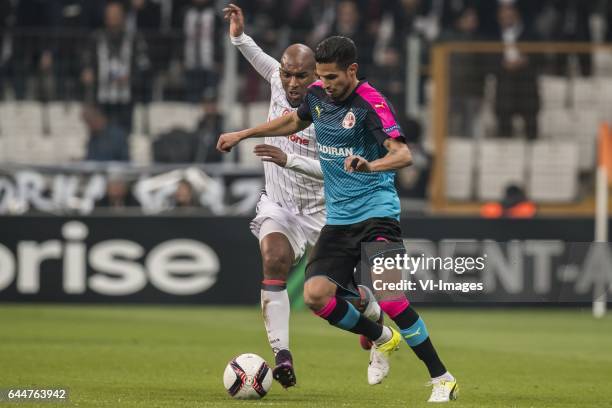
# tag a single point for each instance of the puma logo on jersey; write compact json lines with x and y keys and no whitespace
{"x":380,"y":105}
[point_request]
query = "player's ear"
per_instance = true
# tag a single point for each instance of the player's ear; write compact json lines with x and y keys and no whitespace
{"x":352,"y":69}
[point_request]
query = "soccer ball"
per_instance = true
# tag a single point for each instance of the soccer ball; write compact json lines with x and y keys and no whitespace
{"x":247,"y":377}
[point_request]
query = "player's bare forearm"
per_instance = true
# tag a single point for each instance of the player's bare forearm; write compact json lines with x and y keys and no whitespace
{"x":283,"y":126}
{"x":398,"y":156}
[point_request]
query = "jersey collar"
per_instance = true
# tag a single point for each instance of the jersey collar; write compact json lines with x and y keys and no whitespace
{"x":351,"y":95}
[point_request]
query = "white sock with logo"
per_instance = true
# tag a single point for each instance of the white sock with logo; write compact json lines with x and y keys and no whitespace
{"x":384,"y":337}
{"x":372,"y":311}
{"x":275,"y":309}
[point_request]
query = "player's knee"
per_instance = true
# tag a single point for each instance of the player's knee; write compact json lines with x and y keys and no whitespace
{"x":315,"y":301}
{"x":317,"y":293}
{"x":276,"y":264}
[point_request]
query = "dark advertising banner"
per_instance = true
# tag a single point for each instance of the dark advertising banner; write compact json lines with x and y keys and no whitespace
{"x":215,"y":260}
{"x":128,"y":260}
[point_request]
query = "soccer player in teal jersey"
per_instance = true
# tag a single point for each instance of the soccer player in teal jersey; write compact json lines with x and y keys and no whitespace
{"x":360,"y":146}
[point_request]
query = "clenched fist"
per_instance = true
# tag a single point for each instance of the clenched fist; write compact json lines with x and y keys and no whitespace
{"x":227,"y":141}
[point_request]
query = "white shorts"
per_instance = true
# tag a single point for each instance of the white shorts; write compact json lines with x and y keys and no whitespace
{"x":301,"y":230}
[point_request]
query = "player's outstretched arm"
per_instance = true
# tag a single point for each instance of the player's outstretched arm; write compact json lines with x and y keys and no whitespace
{"x":264,"y":64}
{"x":295,"y":162}
{"x":284,"y":126}
{"x":398,"y":156}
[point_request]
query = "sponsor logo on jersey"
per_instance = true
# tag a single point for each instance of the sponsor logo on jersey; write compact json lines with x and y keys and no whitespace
{"x":299,"y":140}
{"x":335,"y":151}
{"x":349,"y":120}
{"x":295,"y":138}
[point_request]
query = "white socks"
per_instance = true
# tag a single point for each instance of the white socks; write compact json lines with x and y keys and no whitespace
{"x":384,"y":337}
{"x":372,"y":311}
{"x":275,"y":310}
{"x":444,"y":377}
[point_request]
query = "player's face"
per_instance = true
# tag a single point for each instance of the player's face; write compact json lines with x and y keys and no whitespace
{"x":295,"y":78}
{"x":337,"y":82}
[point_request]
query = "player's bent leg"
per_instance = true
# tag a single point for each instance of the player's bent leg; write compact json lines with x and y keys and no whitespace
{"x":318,"y":291}
{"x":319,"y":295}
{"x":368,"y":305}
{"x":277,"y":259}
{"x":413,"y":330}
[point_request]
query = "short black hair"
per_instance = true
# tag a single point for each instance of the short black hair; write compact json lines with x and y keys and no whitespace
{"x":338,"y":49}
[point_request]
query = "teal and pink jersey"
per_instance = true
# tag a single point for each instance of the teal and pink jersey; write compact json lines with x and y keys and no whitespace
{"x":359,"y":125}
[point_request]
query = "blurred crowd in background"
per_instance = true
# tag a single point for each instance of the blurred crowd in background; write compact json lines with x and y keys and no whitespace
{"x":116,"y":53}
{"x":113,"y":55}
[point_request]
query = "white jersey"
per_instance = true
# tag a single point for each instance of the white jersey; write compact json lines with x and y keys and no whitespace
{"x":295,"y":191}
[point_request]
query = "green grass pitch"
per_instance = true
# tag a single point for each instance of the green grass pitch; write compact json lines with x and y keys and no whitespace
{"x":126,"y":356}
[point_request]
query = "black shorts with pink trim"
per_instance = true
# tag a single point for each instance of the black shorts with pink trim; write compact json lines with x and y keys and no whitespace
{"x":337,"y":254}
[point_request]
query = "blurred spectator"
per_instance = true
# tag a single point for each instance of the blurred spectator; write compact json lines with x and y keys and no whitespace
{"x":467,"y":76}
{"x":570,"y":22}
{"x":517,"y":88}
{"x":300,"y":18}
{"x":344,"y":18}
{"x":203,"y":49}
{"x":402,"y":15}
{"x":399,"y":18}
{"x":116,"y":68}
{"x":390,"y":76}
{"x":59,"y":63}
{"x":6,"y":42}
{"x":177,"y":145}
{"x":31,"y":18}
{"x":118,"y":195}
{"x":177,"y":12}
{"x":350,"y":23}
{"x":412,"y":182}
{"x":426,"y":18}
{"x":107,"y":141}
{"x":207,"y":133}
{"x":143,"y":16}
{"x":266,"y":19}
{"x":184,"y":196}
{"x":515,"y":204}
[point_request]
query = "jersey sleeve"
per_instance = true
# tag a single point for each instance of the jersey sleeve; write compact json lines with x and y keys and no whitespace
{"x":382,"y":123}
{"x":264,"y":64}
{"x":304,"y":165}
{"x":303,"y":111}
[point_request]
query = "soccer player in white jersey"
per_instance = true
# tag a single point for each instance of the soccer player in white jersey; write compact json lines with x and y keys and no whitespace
{"x":361,"y":145}
{"x":291,"y":210}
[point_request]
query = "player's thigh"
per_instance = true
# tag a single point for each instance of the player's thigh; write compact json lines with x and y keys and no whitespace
{"x":334,"y":259}
{"x":272,"y":218}
{"x":311,"y":225}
